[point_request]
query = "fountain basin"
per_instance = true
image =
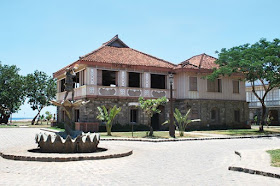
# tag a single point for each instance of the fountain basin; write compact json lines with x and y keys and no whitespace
{"x":83,"y":143}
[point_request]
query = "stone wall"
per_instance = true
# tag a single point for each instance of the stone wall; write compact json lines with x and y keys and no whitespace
{"x":258,"y":111}
{"x":201,"y":109}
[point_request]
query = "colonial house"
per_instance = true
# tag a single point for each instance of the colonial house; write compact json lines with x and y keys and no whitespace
{"x":116,"y":74}
{"x":272,"y":102}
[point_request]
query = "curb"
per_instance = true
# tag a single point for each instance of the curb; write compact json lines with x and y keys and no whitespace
{"x":64,"y":159}
{"x":173,"y":140}
{"x":252,"y":171}
{"x":187,"y":139}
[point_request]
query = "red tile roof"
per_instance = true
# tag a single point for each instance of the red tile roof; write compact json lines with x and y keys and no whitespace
{"x":202,"y":61}
{"x":116,"y":52}
{"x":125,"y":56}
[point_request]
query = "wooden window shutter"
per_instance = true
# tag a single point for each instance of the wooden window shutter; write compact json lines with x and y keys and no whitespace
{"x":99,"y":77}
{"x":193,"y":83}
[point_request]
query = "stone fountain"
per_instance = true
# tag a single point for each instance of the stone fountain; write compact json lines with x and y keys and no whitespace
{"x":70,"y":141}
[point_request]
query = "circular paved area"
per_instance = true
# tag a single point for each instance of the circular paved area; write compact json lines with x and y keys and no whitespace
{"x":176,"y":163}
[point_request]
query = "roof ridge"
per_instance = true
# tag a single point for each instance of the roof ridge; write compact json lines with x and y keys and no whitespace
{"x":116,"y":37}
{"x":201,"y":60}
{"x":153,"y":57}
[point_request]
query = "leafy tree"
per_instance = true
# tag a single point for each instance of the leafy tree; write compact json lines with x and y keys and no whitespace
{"x":257,"y":62}
{"x":150,"y":107}
{"x":108,"y":116}
{"x":183,"y":120}
{"x":41,"y":89}
{"x":48,"y":116}
{"x":12,"y":91}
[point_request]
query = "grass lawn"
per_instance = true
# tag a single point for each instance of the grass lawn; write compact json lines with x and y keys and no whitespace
{"x":275,"y":157}
{"x":26,"y":124}
{"x":143,"y":134}
{"x":244,"y":132}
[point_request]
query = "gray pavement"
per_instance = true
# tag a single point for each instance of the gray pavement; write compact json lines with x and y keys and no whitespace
{"x":177,"y":163}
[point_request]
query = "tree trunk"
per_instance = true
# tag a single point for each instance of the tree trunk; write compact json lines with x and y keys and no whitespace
{"x":151,"y":131}
{"x":4,"y":119}
{"x":108,"y":128}
{"x":33,"y":120}
{"x":263,"y":116}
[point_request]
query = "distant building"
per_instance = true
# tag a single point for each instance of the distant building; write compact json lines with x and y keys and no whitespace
{"x":272,"y":102}
{"x":116,"y":74}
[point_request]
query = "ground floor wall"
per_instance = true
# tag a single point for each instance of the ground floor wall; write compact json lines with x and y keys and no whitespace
{"x":256,"y":113}
{"x":213,"y":113}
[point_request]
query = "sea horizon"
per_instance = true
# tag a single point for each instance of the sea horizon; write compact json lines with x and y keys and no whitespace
{"x":16,"y":119}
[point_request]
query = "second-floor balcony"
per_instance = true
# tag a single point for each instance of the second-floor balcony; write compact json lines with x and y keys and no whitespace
{"x":108,"y":91}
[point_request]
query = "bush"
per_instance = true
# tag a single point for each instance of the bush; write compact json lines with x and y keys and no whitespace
{"x":124,"y":128}
{"x":60,"y":125}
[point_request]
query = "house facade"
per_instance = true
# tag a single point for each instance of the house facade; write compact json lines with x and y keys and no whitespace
{"x":116,"y":74}
{"x":272,"y":102}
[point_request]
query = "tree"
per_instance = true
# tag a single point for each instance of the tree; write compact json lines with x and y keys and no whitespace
{"x":257,"y":62}
{"x":150,"y":107}
{"x":183,"y":120}
{"x":41,"y":89}
{"x":108,"y":116}
{"x":12,"y":91}
{"x":48,"y":116}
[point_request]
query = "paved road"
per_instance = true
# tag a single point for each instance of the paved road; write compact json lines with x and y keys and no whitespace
{"x":176,"y":163}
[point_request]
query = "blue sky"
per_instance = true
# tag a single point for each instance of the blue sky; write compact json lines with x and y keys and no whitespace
{"x":48,"y":35}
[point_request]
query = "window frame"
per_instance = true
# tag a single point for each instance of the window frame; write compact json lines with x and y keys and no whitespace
{"x":193,"y":87}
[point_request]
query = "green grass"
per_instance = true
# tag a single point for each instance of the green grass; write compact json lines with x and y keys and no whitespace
{"x":275,"y":157}
{"x":56,"y":128}
{"x":7,"y":126}
{"x":143,"y":134}
{"x":26,"y":124}
{"x":243,"y":132}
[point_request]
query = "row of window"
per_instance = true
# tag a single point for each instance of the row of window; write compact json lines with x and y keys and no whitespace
{"x":214,"y":115}
{"x":212,"y":86}
{"x":109,"y":78}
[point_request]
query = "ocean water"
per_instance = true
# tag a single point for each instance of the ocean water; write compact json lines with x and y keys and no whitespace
{"x":16,"y":119}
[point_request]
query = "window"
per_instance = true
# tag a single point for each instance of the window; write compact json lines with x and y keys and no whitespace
{"x":77,"y":115}
{"x":109,"y":78}
{"x":158,"y":81}
{"x":193,"y":83}
{"x":62,"y":86}
{"x":133,"y":115}
{"x":194,"y":114}
{"x":134,"y":79}
{"x":235,"y":85}
{"x":79,"y":79}
{"x":237,"y":116}
{"x":214,"y":86}
{"x":213,"y":114}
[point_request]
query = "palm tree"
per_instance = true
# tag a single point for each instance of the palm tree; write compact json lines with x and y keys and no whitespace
{"x":42,"y":117}
{"x":183,"y":120}
{"x":108,"y":116}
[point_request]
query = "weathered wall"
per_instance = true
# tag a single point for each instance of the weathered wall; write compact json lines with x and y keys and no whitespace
{"x":202,"y":110}
{"x":225,"y":109}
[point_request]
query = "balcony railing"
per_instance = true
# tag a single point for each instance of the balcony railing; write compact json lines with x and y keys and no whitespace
{"x":107,"y":91}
